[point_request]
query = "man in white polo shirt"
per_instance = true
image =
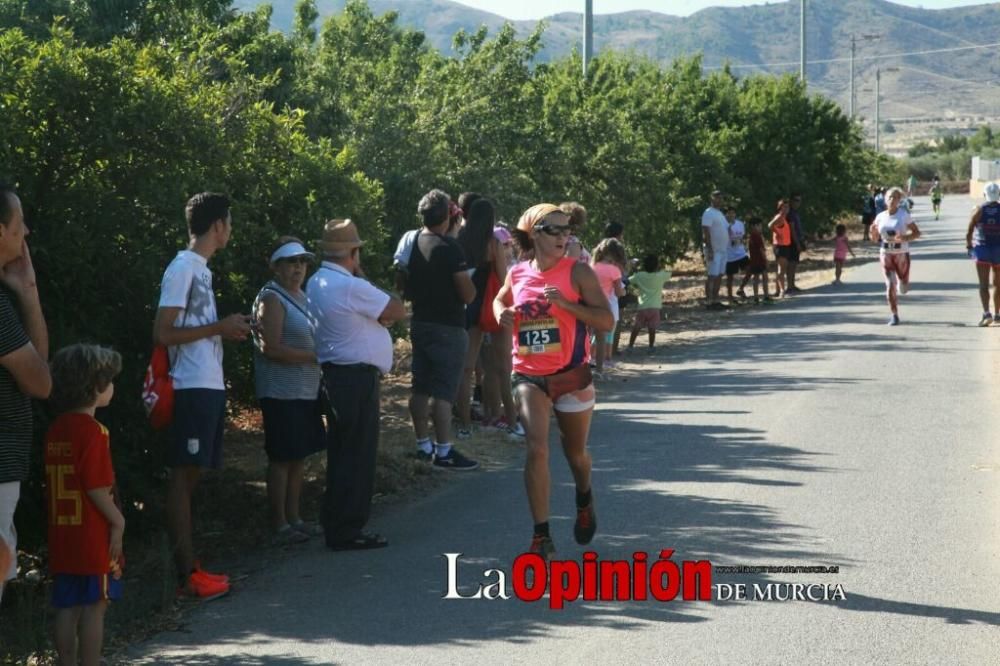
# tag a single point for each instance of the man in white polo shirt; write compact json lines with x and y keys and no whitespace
{"x":715,"y":232}
{"x":355,"y":350}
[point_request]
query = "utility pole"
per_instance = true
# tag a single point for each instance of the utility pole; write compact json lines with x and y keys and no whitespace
{"x":878,"y":77}
{"x":588,"y":33}
{"x":851,"y":104}
{"x":802,"y":41}
{"x":854,"y":100}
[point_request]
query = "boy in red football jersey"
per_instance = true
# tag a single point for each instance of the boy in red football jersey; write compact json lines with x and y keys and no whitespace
{"x":85,"y":523}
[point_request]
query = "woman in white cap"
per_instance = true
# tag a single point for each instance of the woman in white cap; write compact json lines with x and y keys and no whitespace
{"x":893,"y":230}
{"x":287,"y":378}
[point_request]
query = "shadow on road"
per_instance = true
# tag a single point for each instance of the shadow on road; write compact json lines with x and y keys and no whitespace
{"x":381,"y":598}
{"x":384,"y":600}
{"x":859,"y":602}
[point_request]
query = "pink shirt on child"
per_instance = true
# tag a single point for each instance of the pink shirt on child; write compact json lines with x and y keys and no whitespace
{"x":607,"y":276}
{"x":840,"y":248}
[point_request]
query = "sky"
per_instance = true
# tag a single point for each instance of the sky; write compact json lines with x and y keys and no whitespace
{"x":535,"y":9}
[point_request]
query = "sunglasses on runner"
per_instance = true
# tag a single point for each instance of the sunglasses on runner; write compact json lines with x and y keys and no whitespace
{"x":555,"y":229}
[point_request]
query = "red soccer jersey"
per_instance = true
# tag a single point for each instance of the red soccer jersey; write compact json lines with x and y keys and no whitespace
{"x":77,"y":459}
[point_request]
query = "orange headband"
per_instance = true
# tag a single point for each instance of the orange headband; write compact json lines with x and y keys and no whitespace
{"x":536,"y":214}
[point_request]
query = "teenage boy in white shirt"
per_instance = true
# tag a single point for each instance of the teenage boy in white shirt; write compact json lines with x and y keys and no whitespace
{"x":188,"y":324}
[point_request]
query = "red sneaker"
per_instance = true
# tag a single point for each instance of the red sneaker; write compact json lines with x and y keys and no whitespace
{"x":203,"y":588}
{"x":543,"y":546}
{"x":222,"y":578}
{"x":586,"y":524}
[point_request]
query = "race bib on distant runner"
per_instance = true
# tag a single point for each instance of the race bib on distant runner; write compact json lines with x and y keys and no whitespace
{"x":538,"y":336}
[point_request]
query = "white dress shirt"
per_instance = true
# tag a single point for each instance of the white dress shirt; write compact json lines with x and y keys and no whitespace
{"x":347,"y":309}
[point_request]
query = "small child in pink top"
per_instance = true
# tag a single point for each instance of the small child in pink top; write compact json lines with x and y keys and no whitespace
{"x":608,"y":260}
{"x":840,"y":249}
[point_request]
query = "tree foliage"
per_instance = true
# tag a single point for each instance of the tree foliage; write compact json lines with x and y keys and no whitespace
{"x":106,"y":143}
{"x":950,"y":156}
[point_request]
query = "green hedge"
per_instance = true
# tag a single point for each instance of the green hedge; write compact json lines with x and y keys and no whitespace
{"x":106,"y":144}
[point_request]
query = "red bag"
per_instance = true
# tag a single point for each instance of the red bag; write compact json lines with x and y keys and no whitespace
{"x":487,"y":322}
{"x":158,"y":389}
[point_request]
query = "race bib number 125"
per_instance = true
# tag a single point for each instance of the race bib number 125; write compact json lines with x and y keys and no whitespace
{"x":538,"y":336}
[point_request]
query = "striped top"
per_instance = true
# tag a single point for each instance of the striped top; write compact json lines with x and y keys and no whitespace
{"x":15,"y":406}
{"x":287,"y":381}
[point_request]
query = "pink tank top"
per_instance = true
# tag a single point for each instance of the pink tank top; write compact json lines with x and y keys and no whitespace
{"x":547,"y":339}
{"x":840,"y":248}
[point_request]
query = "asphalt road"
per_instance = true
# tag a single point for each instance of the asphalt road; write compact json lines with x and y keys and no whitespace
{"x":805,"y":434}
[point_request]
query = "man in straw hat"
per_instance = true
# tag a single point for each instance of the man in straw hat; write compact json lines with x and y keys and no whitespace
{"x":355,"y":350}
{"x":440,"y":287}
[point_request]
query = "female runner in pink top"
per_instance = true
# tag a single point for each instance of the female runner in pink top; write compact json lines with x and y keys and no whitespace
{"x":549,"y":300}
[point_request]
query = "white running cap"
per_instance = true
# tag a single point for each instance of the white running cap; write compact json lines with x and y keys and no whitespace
{"x":289,"y":250}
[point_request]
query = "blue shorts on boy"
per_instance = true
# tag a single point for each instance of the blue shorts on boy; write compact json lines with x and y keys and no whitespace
{"x":197,"y":429}
{"x":70,"y":590}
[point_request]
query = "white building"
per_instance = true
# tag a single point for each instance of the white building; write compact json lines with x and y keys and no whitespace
{"x":983,"y":171}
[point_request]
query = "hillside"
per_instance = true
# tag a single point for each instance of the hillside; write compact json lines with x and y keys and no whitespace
{"x":961,"y":85}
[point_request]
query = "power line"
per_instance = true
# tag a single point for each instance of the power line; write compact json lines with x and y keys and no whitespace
{"x":989,"y":86}
{"x":931,"y":117}
{"x":947,"y":78}
{"x":952,"y":82}
{"x":872,"y":57}
{"x":931,"y":89}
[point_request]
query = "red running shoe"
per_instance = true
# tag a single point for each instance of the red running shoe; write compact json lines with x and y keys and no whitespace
{"x":222,"y":578}
{"x":201,"y":587}
{"x":543,"y":546}
{"x":586,"y":524}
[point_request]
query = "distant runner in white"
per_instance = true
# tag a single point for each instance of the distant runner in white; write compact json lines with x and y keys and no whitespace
{"x":893,"y":230}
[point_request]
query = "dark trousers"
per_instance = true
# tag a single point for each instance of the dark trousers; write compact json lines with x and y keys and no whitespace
{"x":351,"y":445}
